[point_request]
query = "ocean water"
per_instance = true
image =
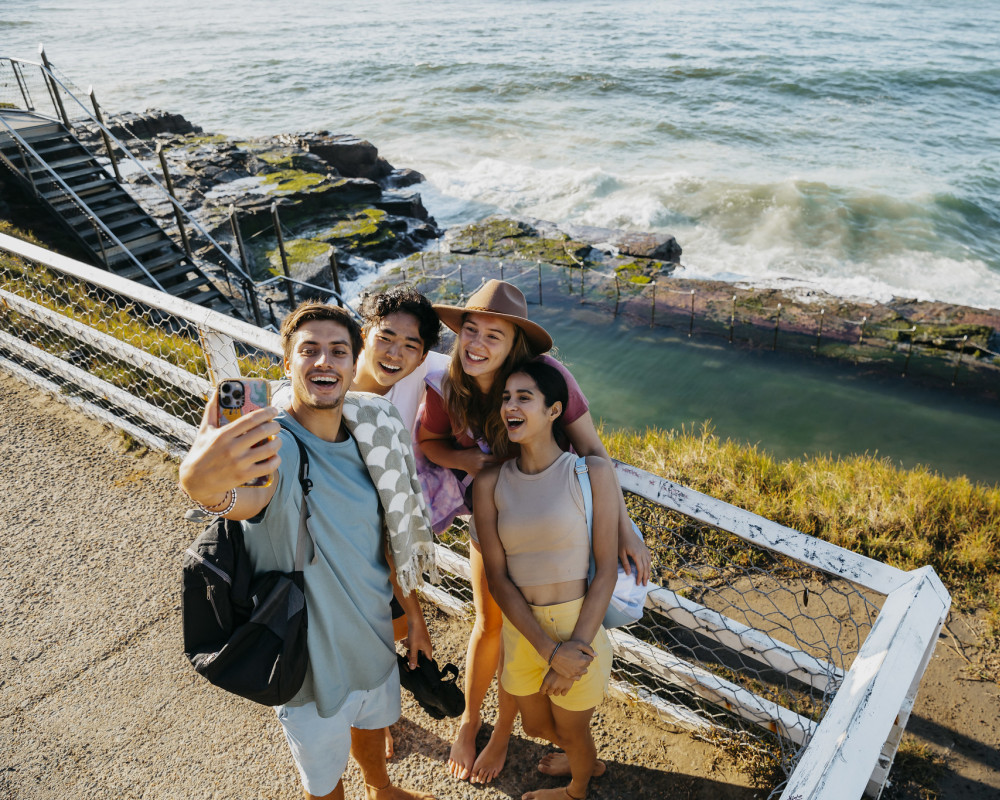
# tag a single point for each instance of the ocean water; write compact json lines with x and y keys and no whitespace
{"x":852,"y":147}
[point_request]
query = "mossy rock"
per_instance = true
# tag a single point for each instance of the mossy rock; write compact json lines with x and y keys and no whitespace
{"x":295,"y":181}
{"x":297,"y":251}
{"x":517,"y":240}
{"x":192,"y":140}
{"x":370,"y":230}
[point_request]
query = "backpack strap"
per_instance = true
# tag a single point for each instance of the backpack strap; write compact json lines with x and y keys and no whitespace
{"x":582,"y":474}
{"x":304,"y":533}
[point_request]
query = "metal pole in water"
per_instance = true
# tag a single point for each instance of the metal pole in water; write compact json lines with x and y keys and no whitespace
{"x":819,"y":332}
{"x":732,"y":320}
{"x":539,"y":282}
{"x":691,"y":324}
{"x":958,"y":362}
{"x":909,"y":350}
{"x":777,"y":321}
{"x":618,"y":294}
{"x":652,"y":311}
{"x":861,"y":338}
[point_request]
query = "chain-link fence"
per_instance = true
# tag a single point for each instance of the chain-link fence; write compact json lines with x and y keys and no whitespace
{"x":753,"y":637}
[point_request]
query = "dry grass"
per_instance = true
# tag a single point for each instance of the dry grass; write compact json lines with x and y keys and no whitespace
{"x":906,"y":518}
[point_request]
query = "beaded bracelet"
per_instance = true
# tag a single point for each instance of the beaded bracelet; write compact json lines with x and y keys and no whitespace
{"x":230,"y":507}
{"x":554,"y":651}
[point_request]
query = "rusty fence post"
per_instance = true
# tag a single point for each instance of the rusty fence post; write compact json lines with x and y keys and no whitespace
{"x":104,"y":134}
{"x":178,"y":216}
{"x":284,"y":257}
{"x":336,"y":275}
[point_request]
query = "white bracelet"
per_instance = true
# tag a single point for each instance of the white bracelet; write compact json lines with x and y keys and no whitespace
{"x":230,"y":507}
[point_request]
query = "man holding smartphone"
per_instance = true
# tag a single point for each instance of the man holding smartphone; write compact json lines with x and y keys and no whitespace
{"x":351,"y":691}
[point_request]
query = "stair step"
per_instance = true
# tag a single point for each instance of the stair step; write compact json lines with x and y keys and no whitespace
{"x":68,"y":175}
{"x":207,"y":298}
{"x":64,"y":164}
{"x":84,"y":189}
{"x":116,"y":256}
{"x":102,"y":211}
{"x":164,"y":261}
{"x":137,"y":232}
{"x":188,"y":287}
{"x":51,"y":130}
{"x":67,"y":204}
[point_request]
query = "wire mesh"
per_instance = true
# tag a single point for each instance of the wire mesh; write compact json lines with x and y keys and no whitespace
{"x":111,"y":351}
{"x":753,"y":644}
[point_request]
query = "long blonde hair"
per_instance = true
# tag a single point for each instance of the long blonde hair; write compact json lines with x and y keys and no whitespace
{"x":469,"y":408}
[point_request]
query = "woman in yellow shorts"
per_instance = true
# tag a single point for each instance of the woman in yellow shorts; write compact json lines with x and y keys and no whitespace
{"x":532,"y":528}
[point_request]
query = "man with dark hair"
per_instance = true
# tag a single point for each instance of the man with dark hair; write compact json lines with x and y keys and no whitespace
{"x":400,"y":329}
{"x":351,"y":690}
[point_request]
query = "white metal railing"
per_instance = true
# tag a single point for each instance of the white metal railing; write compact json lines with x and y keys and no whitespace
{"x":729,"y":640}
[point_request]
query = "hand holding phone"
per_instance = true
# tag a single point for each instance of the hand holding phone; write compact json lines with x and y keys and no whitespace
{"x":239,"y":396}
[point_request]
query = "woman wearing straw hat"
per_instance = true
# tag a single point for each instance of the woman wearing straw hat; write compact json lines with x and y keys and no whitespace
{"x":461,"y":429}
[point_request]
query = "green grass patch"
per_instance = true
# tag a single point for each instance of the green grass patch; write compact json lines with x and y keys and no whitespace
{"x":905,"y":518}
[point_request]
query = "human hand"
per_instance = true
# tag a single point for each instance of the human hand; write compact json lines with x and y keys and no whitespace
{"x":417,"y":640}
{"x":224,"y":457}
{"x":632,"y":552}
{"x":473,"y":460}
{"x":572,"y":659}
{"x":555,"y":684}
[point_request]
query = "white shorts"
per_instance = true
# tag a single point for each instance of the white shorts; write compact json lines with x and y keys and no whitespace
{"x":321,"y":745}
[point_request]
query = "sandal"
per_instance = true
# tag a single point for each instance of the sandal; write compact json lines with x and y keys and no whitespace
{"x":433,"y":688}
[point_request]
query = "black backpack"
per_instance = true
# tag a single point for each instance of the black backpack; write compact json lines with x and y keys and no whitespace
{"x":246,"y":634}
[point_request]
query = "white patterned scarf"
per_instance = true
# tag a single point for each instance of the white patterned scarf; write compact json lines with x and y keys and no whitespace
{"x":387,"y":451}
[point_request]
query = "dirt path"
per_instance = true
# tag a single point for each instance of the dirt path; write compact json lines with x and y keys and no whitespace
{"x":97,"y":700}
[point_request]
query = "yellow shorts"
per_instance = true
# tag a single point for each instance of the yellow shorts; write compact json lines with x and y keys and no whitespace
{"x":524,"y":669}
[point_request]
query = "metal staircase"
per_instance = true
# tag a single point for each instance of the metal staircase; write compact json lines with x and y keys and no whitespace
{"x":77,"y":187}
{"x":69,"y":181}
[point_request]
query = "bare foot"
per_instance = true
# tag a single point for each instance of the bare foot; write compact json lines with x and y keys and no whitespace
{"x":489,"y":762}
{"x":391,"y":792}
{"x":390,"y":746}
{"x":558,"y":764}
{"x":463,"y":751}
{"x":550,"y":794}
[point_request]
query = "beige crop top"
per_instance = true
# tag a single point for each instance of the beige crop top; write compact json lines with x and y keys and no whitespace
{"x":542,"y":523}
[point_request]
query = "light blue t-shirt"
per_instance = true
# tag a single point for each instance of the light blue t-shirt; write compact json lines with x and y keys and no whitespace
{"x":347,"y":589}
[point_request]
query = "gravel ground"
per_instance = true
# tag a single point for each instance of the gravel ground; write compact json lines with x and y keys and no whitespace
{"x":98,"y":701}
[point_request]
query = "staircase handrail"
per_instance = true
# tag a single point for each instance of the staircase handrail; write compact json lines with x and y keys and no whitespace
{"x":94,"y":218}
{"x":138,"y":164}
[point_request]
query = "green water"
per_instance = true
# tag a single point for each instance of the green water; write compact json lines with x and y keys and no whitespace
{"x":638,"y":377}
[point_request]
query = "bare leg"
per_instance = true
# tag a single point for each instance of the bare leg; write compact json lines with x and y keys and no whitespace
{"x":368,"y":748}
{"x":494,"y":755}
{"x":336,"y":794}
{"x":558,"y":764}
{"x":572,"y":734}
{"x":480,"y":667}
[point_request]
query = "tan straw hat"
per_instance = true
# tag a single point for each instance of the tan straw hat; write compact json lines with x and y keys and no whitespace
{"x":501,"y":299}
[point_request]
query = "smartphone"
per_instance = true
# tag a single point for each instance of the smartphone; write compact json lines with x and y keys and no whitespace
{"x":239,"y":396}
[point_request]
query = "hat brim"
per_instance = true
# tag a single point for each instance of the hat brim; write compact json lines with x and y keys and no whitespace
{"x":536,"y":335}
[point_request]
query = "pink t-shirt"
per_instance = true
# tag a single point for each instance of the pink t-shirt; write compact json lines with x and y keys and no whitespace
{"x":434,"y":414}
